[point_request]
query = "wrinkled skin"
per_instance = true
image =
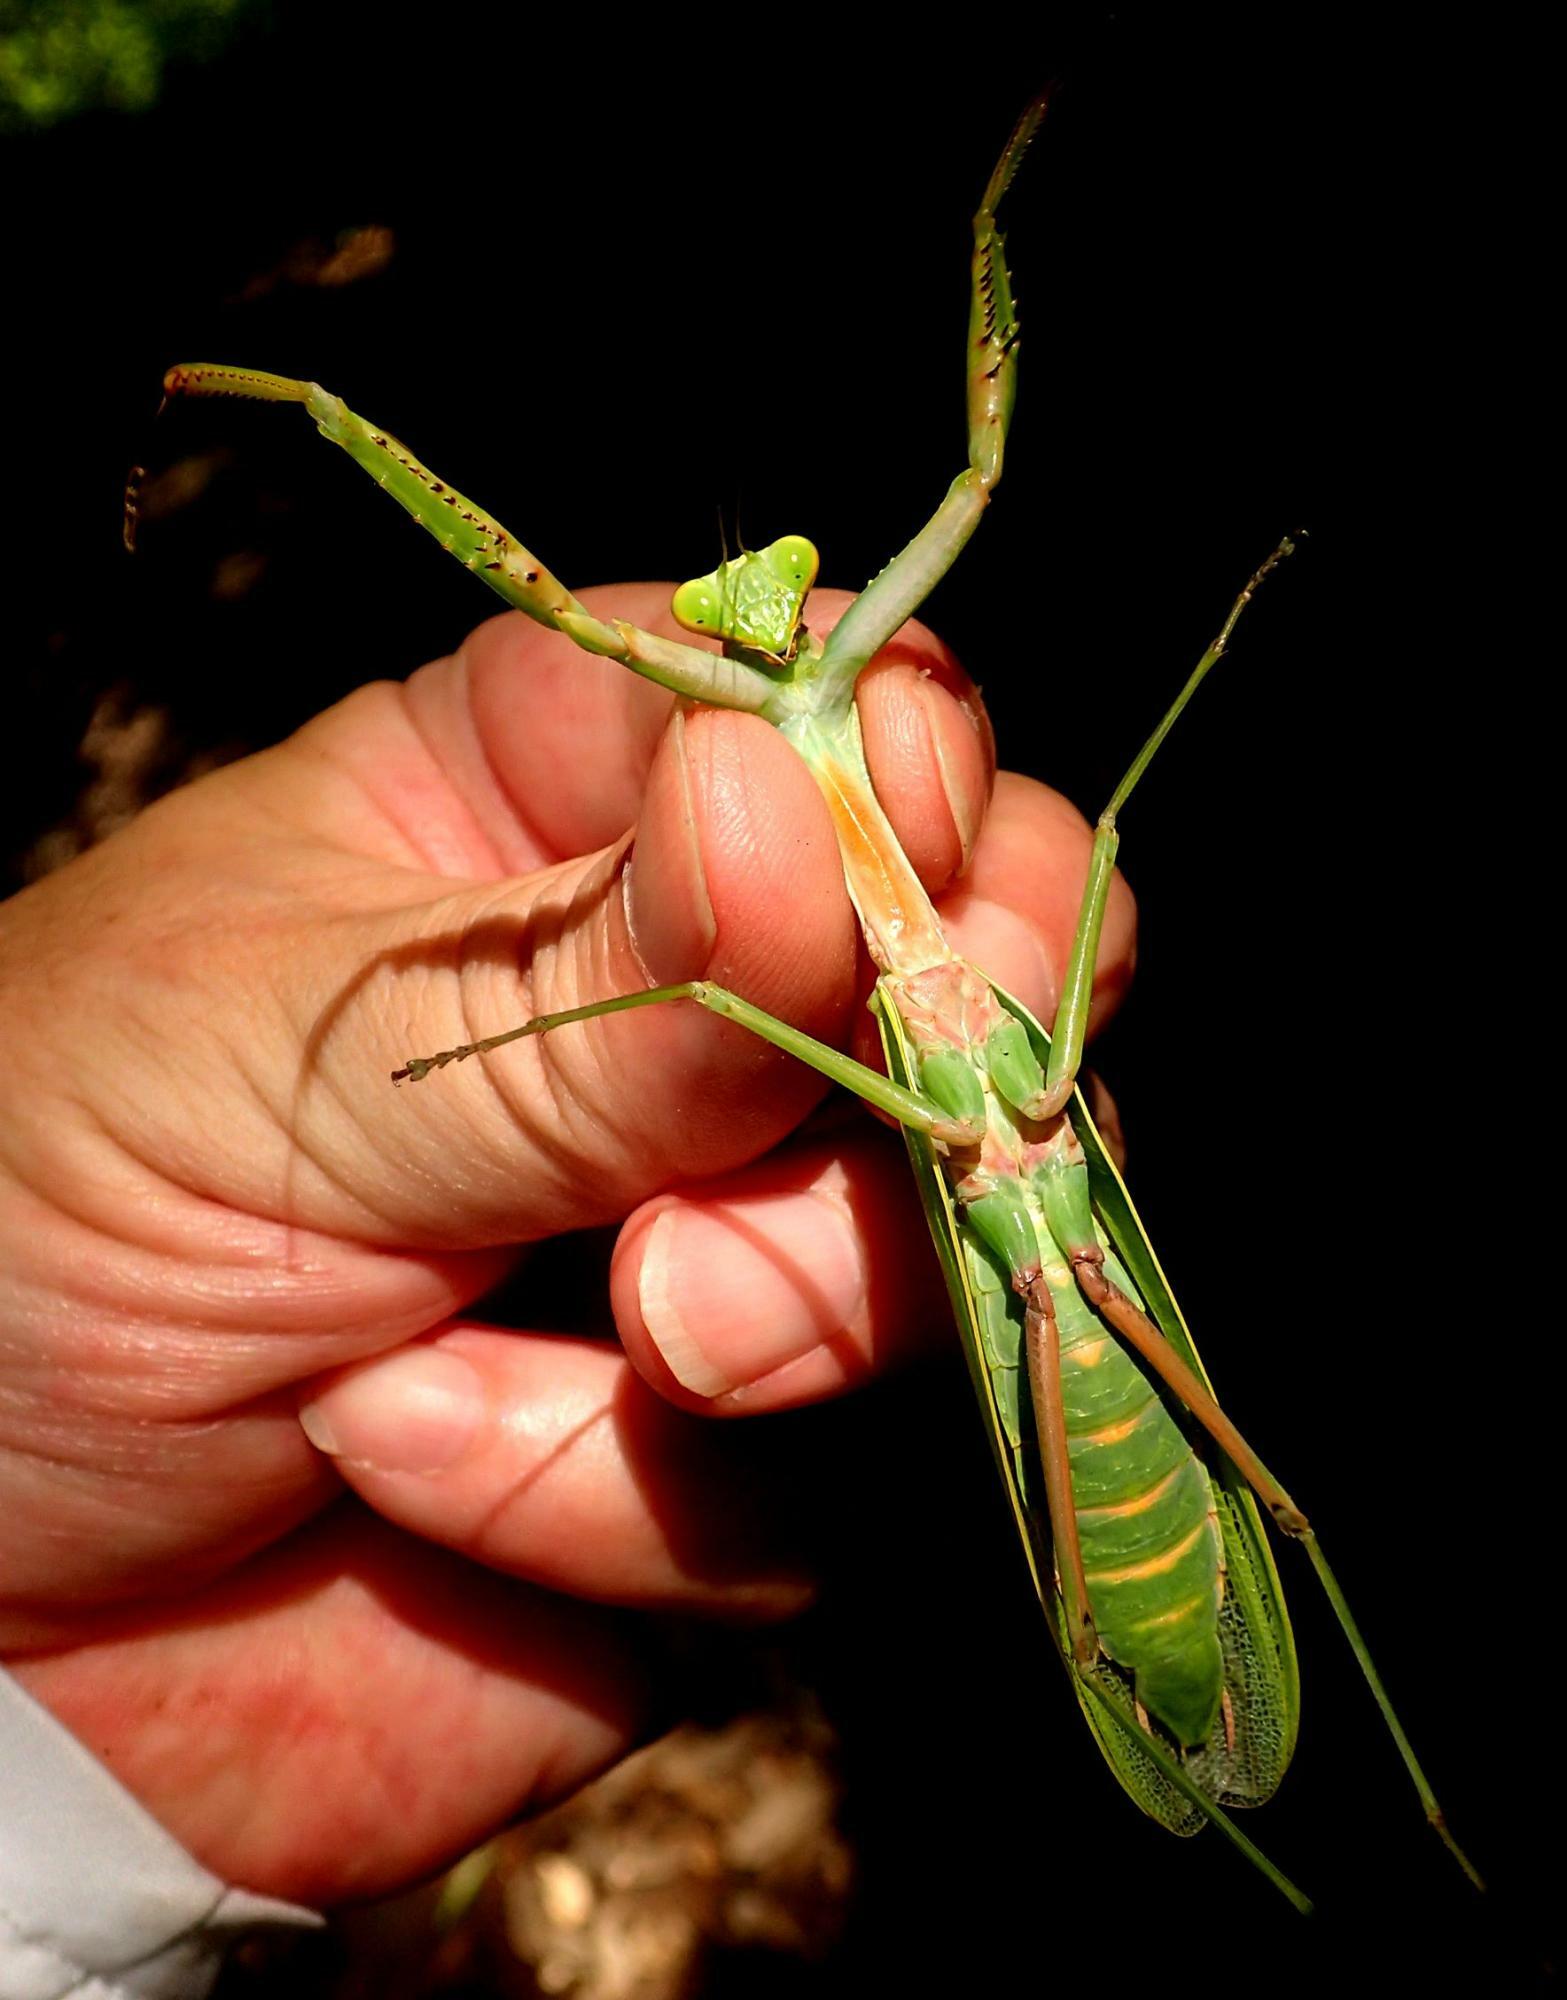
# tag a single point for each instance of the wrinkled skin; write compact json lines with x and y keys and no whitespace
{"x":216,"y":1213}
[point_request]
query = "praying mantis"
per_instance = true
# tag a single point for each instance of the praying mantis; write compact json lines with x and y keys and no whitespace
{"x":1136,"y":1501}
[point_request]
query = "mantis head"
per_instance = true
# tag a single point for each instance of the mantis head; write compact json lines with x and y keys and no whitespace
{"x":755,"y":601}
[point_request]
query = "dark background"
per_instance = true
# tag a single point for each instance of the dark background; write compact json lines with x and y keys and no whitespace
{"x":1263,"y":279}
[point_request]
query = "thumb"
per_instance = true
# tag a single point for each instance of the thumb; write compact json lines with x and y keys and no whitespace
{"x":731,"y":874}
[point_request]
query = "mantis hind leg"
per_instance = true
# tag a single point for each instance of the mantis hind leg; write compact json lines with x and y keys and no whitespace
{"x":1070,"y":1029}
{"x":1042,"y":1347}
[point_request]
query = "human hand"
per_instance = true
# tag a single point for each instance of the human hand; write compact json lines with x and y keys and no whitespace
{"x":216,"y":1212}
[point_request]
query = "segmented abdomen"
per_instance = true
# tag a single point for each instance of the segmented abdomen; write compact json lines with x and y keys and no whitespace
{"x":1151,"y":1548}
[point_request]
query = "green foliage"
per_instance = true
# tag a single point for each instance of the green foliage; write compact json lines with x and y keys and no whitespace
{"x":62,"y":57}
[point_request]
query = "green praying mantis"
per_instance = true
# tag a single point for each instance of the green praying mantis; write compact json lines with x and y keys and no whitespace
{"x":1137,"y":1502}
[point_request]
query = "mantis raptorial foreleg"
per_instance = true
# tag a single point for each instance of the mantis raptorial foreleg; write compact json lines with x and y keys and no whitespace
{"x":898,"y":592}
{"x":481,"y":544}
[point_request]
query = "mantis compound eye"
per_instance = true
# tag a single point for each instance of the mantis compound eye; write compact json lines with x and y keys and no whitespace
{"x":698,"y":607}
{"x":793,"y":561}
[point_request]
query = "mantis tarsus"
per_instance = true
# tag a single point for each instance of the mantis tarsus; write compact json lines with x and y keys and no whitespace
{"x":1134,"y":1497}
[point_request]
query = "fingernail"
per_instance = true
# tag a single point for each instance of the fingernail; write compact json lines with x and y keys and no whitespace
{"x":730,"y":1295}
{"x":960,"y":795}
{"x":416,"y":1411}
{"x":667,"y":905}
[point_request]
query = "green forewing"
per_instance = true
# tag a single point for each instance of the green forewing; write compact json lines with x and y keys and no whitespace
{"x":1261,"y":1670}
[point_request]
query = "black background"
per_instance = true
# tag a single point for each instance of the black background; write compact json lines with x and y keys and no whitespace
{"x":1266,"y":282}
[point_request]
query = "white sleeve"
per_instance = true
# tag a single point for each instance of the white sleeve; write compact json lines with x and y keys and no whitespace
{"x":97,"y":1900}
